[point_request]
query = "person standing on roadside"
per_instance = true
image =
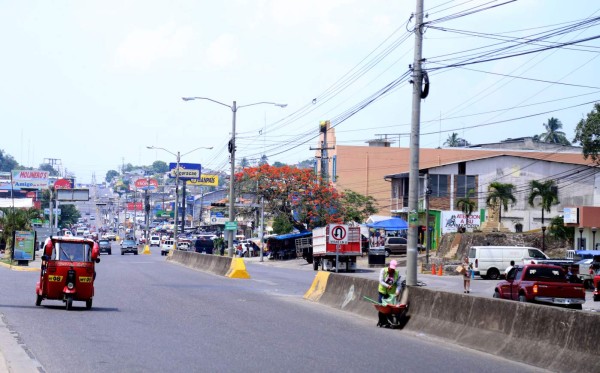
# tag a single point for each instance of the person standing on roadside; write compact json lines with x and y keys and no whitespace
{"x":467,"y":274}
{"x":389,"y":281}
{"x":511,"y":266}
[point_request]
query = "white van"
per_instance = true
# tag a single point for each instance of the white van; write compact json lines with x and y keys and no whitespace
{"x":166,"y":246}
{"x":491,"y":261}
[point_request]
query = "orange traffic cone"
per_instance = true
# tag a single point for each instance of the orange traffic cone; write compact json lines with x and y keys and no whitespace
{"x":440,"y":270}
{"x":432,"y":269}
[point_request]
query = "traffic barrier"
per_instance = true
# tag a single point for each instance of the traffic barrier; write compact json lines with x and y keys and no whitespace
{"x":549,"y":337}
{"x":218,"y":265}
{"x":440,"y":270}
{"x":237,"y":269}
{"x":433,"y":269}
{"x":146,"y":250}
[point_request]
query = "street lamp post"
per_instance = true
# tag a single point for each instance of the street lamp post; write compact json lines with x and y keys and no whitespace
{"x":594,"y":229}
{"x":178,"y":156}
{"x":581,"y":239}
{"x":234,"y":109}
{"x":543,"y":238}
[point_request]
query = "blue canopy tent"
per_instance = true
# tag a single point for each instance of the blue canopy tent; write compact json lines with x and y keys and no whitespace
{"x":393,"y":224}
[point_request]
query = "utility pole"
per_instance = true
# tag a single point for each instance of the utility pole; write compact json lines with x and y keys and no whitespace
{"x":183,"y":203}
{"x":323,"y":125}
{"x":413,"y":182}
{"x":427,"y":233}
{"x":231,"y":183}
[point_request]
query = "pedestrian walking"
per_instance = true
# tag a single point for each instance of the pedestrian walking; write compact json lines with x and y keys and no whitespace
{"x":467,"y":275}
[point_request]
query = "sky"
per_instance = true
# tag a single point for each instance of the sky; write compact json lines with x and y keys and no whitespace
{"x":94,"y":83}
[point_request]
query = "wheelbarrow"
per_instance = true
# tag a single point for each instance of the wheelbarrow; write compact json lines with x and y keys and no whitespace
{"x":391,"y":314}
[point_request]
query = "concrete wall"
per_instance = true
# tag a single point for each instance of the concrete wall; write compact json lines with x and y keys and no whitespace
{"x":548,"y":337}
{"x":219,"y":265}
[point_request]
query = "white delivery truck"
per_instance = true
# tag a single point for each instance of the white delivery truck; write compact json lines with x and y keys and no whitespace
{"x":332,"y":256}
{"x":491,"y":261}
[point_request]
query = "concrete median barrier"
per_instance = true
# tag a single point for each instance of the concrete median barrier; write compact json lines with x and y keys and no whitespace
{"x":218,"y":265}
{"x":552,"y":338}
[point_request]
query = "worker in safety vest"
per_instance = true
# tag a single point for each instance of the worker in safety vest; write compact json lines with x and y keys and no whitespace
{"x":389,"y":281}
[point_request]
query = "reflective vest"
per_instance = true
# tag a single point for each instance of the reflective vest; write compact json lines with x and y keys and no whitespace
{"x":384,"y":289}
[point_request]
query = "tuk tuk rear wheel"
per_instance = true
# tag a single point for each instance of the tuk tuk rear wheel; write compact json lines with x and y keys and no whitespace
{"x":38,"y":300}
{"x":69,"y":304}
{"x":88,"y":304}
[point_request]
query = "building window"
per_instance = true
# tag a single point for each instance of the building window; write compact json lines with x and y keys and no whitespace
{"x":438,"y":185}
{"x":464,"y":183}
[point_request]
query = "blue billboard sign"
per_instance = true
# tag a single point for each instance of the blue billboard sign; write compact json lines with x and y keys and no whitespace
{"x":187,"y":171}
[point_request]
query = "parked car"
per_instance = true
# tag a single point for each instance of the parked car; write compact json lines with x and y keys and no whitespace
{"x":395,"y":246}
{"x":129,"y":246}
{"x":154,"y":241}
{"x":105,"y":247}
{"x":541,"y":283}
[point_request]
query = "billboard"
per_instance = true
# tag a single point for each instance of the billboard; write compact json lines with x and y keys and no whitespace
{"x":206,"y":180}
{"x":187,"y":171}
{"x":139,"y":206}
{"x":24,"y":245}
{"x":452,"y":220}
{"x":571,"y":215}
{"x":30,"y":179}
{"x":63,"y":184}
{"x":143,"y":184}
{"x":72,"y":194}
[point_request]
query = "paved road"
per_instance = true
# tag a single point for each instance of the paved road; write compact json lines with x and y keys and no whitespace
{"x":152,"y":315}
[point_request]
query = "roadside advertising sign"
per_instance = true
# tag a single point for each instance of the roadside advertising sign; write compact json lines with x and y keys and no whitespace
{"x":215,"y":220}
{"x":30,"y":179}
{"x":72,"y":194}
{"x":187,"y":171}
{"x":570,"y":215}
{"x":63,"y":184}
{"x":135,"y":206}
{"x":150,"y":184}
{"x":206,"y":180}
{"x":452,"y":220}
{"x":24,"y":245}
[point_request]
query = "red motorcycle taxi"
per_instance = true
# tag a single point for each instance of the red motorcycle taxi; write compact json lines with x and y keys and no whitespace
{"x":67,"y":271}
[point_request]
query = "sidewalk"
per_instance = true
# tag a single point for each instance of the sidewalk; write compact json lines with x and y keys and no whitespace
{"x":34,"y":265}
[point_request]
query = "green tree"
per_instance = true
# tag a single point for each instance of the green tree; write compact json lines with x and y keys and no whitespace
{"x":557,"y":229}
{"x":547,"y":191}
{"x":159,"y":167}
{"x":7,"y":162}
{"x":48,"y":167}
{"x":466,"y":204}
{"x":453,"y":141}
{"x":279,"y":164}
{"x":587,"y":133}
{"x":68,"y":215}
{"x":282,"y":224}
{"x":553,"y":134}
{"x":500,"y":194}
{"x":307,"y":163}
{"x":127,"y":167}
{"x":357,"y":207}
{"x":110,"y":175}
{"x":14,"y":220}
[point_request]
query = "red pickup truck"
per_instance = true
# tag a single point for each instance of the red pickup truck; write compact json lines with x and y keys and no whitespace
{"x":541,"y":283}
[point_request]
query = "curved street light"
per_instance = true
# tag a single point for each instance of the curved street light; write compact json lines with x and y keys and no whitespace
{"x":234,"y":109}
{"x":178,"y":156}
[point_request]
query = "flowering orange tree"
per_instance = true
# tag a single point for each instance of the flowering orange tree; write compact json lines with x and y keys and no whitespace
{"x":293,"y":193}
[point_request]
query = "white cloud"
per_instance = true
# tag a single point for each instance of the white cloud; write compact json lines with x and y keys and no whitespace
{"x":144,"y":48}
{"x":223,"y":51}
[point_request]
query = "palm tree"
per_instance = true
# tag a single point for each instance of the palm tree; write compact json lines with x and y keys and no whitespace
{"x":466,"y":205}
{"x":553,"y":134}
{"x":453,"y":141}
{"x":547,"y":191}
{"x":500,"y":194}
